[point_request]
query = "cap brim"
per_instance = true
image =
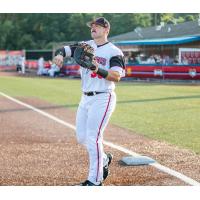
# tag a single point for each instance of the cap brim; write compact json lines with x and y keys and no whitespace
{"x":89,"y":24}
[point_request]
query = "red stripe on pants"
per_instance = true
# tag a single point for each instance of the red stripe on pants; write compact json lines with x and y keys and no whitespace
{"x":98,"y":137}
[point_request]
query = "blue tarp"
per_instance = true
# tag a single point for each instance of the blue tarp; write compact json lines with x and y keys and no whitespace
{"x":162,"y":41}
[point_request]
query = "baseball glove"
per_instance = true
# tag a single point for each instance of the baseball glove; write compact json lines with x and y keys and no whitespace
{"x":84,"y":56}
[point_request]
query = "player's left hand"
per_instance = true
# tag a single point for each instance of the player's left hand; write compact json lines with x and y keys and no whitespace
{"x":58,"y":60}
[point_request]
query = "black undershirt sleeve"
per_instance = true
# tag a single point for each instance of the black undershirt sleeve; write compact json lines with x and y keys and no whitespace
{"x":117,"y":61}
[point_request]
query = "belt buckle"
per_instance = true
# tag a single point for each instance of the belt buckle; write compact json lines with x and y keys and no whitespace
{"x":94,"y":93}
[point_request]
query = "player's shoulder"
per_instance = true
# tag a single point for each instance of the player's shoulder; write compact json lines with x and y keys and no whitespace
{"x":115,"y":49}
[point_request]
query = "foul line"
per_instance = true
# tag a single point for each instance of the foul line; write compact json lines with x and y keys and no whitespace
{"x":117,"y":147}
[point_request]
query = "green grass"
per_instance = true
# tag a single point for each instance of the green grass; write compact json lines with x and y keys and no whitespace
{"x":164,"y":112}
{"x":58,"y":91}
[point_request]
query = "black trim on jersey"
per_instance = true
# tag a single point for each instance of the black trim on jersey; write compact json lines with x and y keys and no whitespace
{"x":61,"y":52}
{"x":102,"y":44}
{"x":117,"y":61}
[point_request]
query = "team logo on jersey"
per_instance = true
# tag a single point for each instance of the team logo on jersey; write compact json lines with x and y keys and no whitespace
{"x":101,"y":60}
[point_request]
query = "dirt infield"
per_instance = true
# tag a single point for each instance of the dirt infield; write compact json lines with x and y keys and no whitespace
{"x":38,"y":151}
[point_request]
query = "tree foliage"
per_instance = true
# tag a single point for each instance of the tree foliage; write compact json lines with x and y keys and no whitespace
{"x":42,"y":30}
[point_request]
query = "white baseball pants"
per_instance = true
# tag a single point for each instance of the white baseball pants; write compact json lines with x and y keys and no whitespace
{"x":92,"y":117}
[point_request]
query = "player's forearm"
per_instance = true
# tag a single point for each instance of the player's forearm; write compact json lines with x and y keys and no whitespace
{"x":113,"y":76}
{"x":109,"y":75}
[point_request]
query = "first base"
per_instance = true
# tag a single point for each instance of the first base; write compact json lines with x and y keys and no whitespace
{"x":137,"y":160}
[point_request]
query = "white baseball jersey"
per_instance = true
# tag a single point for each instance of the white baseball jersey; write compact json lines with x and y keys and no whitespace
{"x":103,"y":54}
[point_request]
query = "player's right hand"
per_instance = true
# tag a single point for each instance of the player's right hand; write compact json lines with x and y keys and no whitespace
{"x":58,"y":60}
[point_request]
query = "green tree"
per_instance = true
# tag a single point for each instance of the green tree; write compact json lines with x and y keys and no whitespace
{"x":77,"y":26}
{"x":42,"y":30}
{"x":121,"y":23}
{"x":168,"y":18}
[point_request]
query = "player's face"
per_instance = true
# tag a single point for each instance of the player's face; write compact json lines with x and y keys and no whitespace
{"x":98,"y":31}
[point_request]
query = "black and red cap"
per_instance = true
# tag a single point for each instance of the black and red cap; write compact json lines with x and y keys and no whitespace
{"x":101,"y":21}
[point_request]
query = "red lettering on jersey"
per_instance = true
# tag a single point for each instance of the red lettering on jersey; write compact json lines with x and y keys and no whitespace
{"x":93,"y":75}
{"x":101,"y":60}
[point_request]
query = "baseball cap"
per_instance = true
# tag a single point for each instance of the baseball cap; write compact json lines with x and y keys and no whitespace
{"x":100,"y":21}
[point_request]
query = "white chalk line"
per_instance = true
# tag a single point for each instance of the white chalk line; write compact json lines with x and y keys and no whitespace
{"x":162,"y":168}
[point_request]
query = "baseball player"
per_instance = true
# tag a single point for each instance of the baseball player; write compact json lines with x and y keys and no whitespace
{"x":40,"y":64}
{"x":98,"y":99}
{"x":22,"y":63}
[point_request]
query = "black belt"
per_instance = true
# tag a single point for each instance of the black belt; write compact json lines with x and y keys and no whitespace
{"x":92,"y":93}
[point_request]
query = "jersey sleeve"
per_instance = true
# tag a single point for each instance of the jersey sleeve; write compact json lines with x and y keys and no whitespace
{"x":64,"y":51}
{"x":117,"y":61}
{"x":68,"y":51}
{"x":120,"y":70}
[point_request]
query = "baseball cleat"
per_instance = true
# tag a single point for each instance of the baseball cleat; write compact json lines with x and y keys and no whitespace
{"x":106,"y":170}
{"x":88,"y":183}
